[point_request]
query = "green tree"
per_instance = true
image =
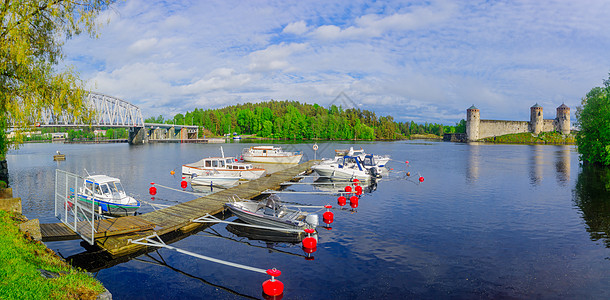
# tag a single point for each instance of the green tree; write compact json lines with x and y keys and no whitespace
{"x":593,"y":118}
{"x":460,"y":127}
{"x":32,"y":33}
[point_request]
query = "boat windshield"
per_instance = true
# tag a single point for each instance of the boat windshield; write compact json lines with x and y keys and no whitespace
{"x":105,"y":189}
{"x":116,"y":187}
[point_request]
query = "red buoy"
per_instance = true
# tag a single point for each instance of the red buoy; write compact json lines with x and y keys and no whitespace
{"x":183,"y":183}
{"x":273,"y":287}
{"x":309,"y":241}
{"x":152,"y":190}
{"x":356,"y":181}
{"x":353,"y":201}
{"x":341,"y":200}
{"x":421,"y":179}
{"x":359,"y":189}
{"x":348,"y":189}
{"x":328,"y":217}
{"x":407,"y":162}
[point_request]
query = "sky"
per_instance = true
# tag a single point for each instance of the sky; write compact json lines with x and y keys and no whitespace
{"x":422,"y":61}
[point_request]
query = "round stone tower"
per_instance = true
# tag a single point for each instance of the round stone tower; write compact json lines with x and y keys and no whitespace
{"x":563,"y":119}
{"x":536,"y":119}
{"x":473,"y":119}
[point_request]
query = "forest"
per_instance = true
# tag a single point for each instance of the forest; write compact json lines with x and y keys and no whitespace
{"x":296,"y":121}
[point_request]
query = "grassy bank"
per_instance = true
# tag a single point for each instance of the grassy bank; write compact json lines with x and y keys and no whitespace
{"x":553,"y":138}
{"x":23,"y":260}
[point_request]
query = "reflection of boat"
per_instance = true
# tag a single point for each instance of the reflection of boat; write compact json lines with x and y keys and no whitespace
{"x":270,"y":154}
{"x":347,"y":168}
{"x":373,"y":159}
{"x":270,"y":212}
{"x":214,"y":178}
{"x":265,"y":235}
{"x":108,"y":196}
{"x":225,"y":166}
{"x":59,"y":156}
{"x":328,"y":185}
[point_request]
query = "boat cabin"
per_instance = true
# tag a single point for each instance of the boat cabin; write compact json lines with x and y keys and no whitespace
{"x":104,"y":186}
{"x":227,"y":163}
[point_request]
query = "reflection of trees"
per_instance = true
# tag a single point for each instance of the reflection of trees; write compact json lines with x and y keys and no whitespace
{"x":592,"y":196}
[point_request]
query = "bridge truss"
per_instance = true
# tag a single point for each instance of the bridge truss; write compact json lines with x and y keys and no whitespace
{"x":108,"y":112}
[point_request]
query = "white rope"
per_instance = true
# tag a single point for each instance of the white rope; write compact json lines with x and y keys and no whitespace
{"x":178,"y":190}
{"x":149,"y":241}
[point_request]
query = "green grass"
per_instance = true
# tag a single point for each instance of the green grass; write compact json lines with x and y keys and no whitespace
{"x":20,"y":260}
{"x":553,"y":138}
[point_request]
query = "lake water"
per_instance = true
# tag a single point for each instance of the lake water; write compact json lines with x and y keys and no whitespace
{"x":489,"y":221}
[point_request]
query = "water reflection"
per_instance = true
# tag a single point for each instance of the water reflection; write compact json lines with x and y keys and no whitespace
{"x":536,"y":164}
{"x":331,"y":186}
{"x":591,"y":195}
{"x":562,"y":164}
{"x":472,"y":169}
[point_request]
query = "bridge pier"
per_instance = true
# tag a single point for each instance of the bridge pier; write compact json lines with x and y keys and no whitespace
{"x":137,"y":136}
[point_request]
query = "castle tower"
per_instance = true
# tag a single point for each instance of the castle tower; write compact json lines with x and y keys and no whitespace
{"x":536,"y":119}
{"x":473,"y":119}
{"x":563,"y":119}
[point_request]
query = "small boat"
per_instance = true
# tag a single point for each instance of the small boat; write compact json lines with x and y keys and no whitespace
{"x":347,"y":168}
{"x":378,"y":160}
{"x":270,"y":212}
{"x":271,"y":154}
{"x":213,"y":178}
{"x":107,"y":196}
{"x":59,"y":156}
{"x":225,"y":166}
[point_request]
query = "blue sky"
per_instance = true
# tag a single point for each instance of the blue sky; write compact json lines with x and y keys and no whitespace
{"x":425,"y":61}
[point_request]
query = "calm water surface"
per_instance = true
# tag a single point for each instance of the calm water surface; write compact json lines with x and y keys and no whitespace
{"x":489,"y":221}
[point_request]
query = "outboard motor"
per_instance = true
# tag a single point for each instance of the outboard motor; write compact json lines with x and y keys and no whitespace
{"x":312,"y":219}
{"x":374,"y":173}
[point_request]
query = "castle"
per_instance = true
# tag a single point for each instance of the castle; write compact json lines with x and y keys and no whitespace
{"x":479,"y":129}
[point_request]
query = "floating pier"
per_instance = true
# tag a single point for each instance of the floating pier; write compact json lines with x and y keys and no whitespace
{"x":114,"y":235}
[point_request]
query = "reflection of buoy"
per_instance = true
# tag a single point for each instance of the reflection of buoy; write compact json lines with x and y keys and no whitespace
{"x":273,"y":287}
{"x":348,"y":189}
{"x":341,"y":200}
{"x":183,"y":183}
{"x":353,"y":201}
{"x":152,"y":190}
{"x":421,"y":179}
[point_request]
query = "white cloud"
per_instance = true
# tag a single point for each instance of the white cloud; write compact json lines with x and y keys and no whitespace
{"x":275,"y":57}
{"x":298,"y":28}
{"x":143,"y":45}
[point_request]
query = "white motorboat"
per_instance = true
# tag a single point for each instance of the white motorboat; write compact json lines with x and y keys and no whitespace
{"x":225,"y":166}
{"x":107,"y":196}
{"x":270,"y":154}
{"x":377,"y":160}
{"x":272,"y":213}
{"x":346,"y":168}
{"x":213,"y":178}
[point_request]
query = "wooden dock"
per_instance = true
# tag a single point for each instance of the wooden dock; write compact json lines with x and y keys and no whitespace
{"x":114,"y":237}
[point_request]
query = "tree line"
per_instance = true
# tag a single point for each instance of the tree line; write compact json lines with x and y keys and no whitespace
{"x":297,"y":121}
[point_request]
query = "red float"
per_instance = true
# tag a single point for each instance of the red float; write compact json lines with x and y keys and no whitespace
{"x":359,"y":189}
{"x":353,"y":201}
{"x":341,"y":200}
{"x":356,"y":181}
{"x":328,"y":217}
{"x":421,"y":179}
{"x":348,"y":189}
{"x":309,"y":241}
{"x":407,"y":162}
{"x":183,"y":183}
{"x":273,"y":287}
{"x":152,"y":190}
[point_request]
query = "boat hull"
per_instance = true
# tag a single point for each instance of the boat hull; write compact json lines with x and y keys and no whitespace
{"x":292,"y":159}
{"x":250,"y":174}
{"x":258,"y":219}
{"x":222,"y":182}
{"x":338,"y":173}
{"x":109,"y":208}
